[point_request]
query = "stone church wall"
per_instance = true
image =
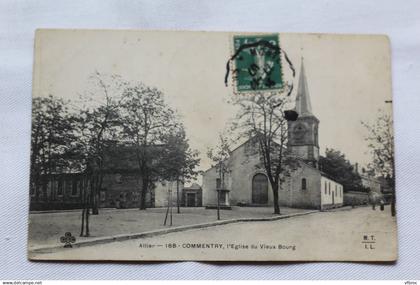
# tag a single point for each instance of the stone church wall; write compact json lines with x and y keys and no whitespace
{"x":244,"y":167}
{"x":294,"y":194}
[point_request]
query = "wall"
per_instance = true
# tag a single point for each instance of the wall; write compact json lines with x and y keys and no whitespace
{"x":356,"y":198}
{"x":49,"y":197}
{"x":161,"y":193}
{"x":371,"y":183}
{"x":121,"y":191}
{"x":332,"y":194}
{"x":291,"y":193}
{"x":242,"y":165}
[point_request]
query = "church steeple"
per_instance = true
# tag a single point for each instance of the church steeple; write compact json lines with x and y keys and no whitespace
{"x":303,"y":133}
{"x":303,"y":101}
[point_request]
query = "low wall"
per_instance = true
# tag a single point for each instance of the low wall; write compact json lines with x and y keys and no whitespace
{"x":356,"y":198}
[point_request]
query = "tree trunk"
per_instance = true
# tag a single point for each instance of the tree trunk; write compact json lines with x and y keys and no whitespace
{"x":83,"y":222}
{"x":145,"y":182}
{"x":83,"y":201}
{"x":87,"y":215}
{"x":177,"y":195}
{"x":276,"y":205}
{"x":95,"y":192}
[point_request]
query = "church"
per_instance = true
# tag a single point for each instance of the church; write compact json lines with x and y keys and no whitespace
{"x":306,"y":187}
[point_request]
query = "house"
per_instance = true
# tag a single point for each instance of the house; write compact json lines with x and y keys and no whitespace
{"x":307,"y":187}
{"x":121,"y":185}
{"x":192,"y":196}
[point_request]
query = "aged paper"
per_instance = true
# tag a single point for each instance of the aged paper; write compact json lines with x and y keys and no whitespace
{"x":220,"y":146}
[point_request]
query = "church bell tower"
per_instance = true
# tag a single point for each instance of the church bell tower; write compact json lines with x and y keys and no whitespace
{"x":303,"y":133}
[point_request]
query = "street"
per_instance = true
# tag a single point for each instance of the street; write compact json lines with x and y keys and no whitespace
{"x":348,"y":234}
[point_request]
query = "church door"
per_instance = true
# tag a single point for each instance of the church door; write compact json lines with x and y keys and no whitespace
{"x":259,"y":189}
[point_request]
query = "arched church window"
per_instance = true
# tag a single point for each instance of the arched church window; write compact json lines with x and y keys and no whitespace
{"x":303,"y":183}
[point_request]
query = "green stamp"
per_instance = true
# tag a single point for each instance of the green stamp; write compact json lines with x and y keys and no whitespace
{"x":257,"y":63}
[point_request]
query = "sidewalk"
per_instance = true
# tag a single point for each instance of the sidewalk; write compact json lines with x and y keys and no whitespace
{"x":45,"y":229}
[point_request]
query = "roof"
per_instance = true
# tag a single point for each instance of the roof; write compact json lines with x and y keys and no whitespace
{"x":193,"y":186}
{"x":303,"y":102}
{"x":123,"y":157}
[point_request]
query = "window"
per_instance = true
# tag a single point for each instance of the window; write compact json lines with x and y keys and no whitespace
{"x":329,"y":188}
{"x":325,"y":188}
{"x":335,"y":190}
{"x":218,"y":183}
{"x":303,"y":183}
{"x":68,"y":186}
{"x":74,"y":188}
{"x":60,"y":188}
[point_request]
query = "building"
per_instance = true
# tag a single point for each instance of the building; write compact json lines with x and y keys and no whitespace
{"x":58,"y":192}
{"x":192,"y":196}
{"x":121,"y":185}
{"x":307,"y":187}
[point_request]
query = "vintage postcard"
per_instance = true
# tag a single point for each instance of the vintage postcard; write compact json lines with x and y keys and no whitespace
{"x":217,"y":146}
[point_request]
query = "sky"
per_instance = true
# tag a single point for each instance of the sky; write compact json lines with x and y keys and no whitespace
{"x":349,"y":77}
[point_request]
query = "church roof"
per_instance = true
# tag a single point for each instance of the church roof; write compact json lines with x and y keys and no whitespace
{"x":303,"y":101}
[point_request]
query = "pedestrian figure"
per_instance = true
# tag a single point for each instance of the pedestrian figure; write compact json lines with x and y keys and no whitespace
{"x":372,"y":199}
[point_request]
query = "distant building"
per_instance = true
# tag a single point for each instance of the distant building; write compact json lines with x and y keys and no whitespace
{"x":371,"y":189}
{"x":121,"y":185}
{"x":192,"y":196}
{"x":307,"y":186}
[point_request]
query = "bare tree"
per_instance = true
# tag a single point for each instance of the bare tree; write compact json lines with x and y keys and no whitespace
{"x":380,"y":140}
{"x":261,"y":120}
{"x":220,"y":156}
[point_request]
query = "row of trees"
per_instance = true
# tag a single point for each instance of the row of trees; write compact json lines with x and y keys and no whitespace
{"x":336,"y":165}
{"x":69,"y":136}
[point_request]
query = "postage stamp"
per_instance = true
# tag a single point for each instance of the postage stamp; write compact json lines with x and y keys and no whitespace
{"x":257,"y":63}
